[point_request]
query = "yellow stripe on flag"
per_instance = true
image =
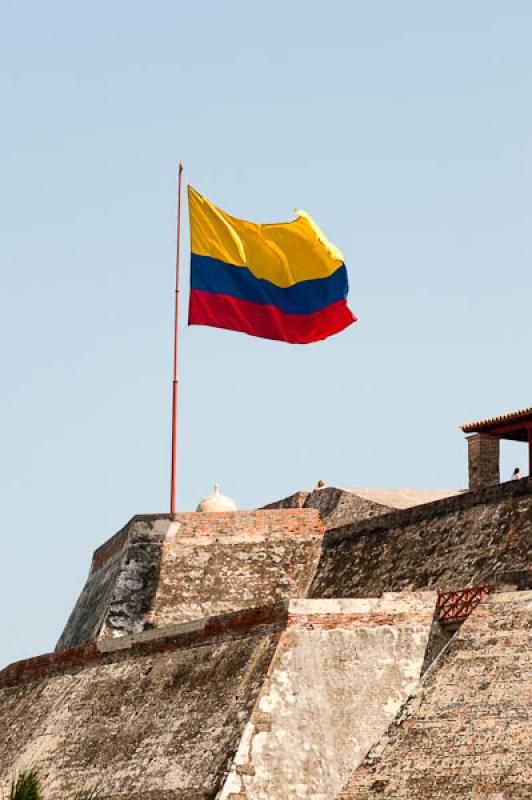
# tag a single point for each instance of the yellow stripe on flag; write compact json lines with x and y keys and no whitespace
{"x":283,"y":253}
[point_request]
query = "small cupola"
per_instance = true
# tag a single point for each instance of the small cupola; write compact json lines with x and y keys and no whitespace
{"x":216,"y":502}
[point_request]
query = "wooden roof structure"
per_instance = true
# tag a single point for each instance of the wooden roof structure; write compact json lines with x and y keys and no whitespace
{"x":515,"y":425}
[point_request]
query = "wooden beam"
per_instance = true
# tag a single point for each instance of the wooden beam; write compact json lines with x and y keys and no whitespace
{"x":505,"y":431}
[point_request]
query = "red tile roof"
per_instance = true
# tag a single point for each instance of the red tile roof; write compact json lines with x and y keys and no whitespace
{"x":525,"y":415}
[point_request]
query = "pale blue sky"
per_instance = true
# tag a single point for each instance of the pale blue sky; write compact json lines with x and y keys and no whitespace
{"x":403,"y":128}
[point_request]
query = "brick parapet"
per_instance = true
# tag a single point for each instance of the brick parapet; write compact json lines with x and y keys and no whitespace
{"x":371,"y":620}
{"x":235,"y":524}
{"x":247,"y":525}
{"x":392,"y":609}
{"x":329,"y":614}
{"x":249,"y":622}
{"x":240,"y":520}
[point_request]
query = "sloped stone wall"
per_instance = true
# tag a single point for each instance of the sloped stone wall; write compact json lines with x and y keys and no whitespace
{"x":121,"y":584}
{"x":341,"y":506}
{"x":341,"y":672}
{"x":144,"y":718}
{"x":465,"y":734}
{"x":161,"y":570}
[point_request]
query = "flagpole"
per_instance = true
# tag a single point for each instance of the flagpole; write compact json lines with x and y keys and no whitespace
{"x":175,"y":381}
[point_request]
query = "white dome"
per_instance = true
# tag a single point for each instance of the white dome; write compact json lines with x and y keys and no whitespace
{"x":216,"y":502}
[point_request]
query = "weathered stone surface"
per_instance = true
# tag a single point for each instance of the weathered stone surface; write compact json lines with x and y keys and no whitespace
{"x":88,"y":615}
{"x":121,"y":583}
{"x":159,"y":571}
{"x":462,"y":541}
{"x":154,"y":720}
{"x":157,"y":696}
{"x":465,"y":733}
{"x":340,"y":673}
{"x":336,"y":506}
{"x":340,"y":506}
{"x":270,"y":557}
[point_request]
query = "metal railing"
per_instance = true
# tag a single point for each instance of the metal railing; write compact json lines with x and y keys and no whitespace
{"x":457,"y":606}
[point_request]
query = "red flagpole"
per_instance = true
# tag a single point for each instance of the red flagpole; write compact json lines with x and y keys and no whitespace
{"x":175,"y":382}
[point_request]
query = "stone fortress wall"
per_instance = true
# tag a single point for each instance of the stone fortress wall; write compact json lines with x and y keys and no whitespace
{"x":471,"y":539}
{"x":147,"y":718}
{"x":336,"y":506}
{"x":272,"y":654}
{"x":465,"y":732}
{"x":340,"y":673}
{"x":160,"y":571}
{"x":266,"y":685}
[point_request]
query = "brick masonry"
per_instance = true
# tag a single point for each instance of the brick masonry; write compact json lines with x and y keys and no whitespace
{"x":483,"y":460}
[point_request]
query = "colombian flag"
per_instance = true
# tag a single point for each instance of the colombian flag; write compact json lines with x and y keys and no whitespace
{"x":281,"y":281}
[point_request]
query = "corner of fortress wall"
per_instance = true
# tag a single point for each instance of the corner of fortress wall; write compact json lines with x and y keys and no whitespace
{"x":336,"y":506}
{"x":160,"y":571}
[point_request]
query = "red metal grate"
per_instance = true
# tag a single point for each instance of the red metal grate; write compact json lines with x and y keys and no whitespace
{"x":457,"y":606}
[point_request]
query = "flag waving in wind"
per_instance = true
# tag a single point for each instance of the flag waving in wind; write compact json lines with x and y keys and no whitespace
{"x":281,"y":281}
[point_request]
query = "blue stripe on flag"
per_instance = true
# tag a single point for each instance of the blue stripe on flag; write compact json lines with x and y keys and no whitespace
{"x":211,"y":275}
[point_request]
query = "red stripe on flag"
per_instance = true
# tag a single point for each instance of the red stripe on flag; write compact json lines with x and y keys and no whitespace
{"x":267,"y":322}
